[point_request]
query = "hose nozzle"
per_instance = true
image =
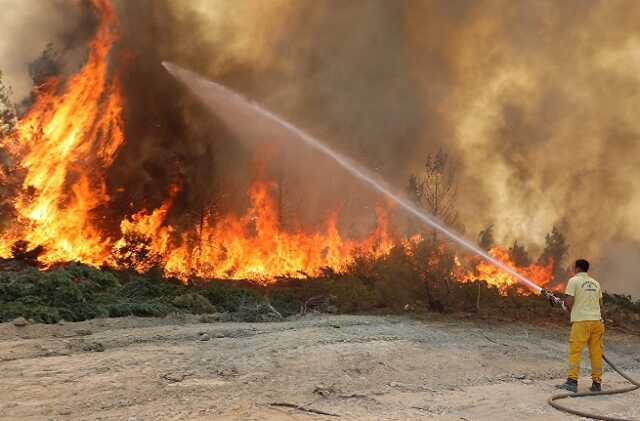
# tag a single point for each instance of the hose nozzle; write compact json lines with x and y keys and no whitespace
{"x":553,"y":299}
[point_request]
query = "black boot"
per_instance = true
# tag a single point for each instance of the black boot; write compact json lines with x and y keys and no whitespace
{"x":596,"y":387}
{"x":570,"y":385}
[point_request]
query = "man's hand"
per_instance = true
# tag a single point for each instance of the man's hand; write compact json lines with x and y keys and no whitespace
{"x":568,"y":302}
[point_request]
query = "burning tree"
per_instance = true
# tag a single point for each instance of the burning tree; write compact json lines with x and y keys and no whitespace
{"x":435,"y":190}
{"x":134,"y":252}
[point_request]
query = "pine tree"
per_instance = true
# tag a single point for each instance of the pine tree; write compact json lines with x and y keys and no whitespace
{"x":435,"y":189}
{"x":556,"y":249}
{"x":519,"y":255}
{"x":7,"y":110}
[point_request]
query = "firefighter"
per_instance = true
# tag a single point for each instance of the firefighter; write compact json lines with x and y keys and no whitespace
{"x":584,"y":300}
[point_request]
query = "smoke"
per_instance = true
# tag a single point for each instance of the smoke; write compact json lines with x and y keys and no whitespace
{"x":28,"y":27}
{"x":617,"y":269}
{"x":534,"y":100}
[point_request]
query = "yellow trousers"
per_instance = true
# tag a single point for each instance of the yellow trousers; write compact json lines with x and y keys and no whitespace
{"x":583,"y":333}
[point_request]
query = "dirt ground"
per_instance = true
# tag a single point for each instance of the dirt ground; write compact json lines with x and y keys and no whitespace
{"x":354,"y":367}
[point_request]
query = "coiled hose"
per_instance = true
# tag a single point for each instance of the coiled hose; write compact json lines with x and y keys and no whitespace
{"x":636,"y":385}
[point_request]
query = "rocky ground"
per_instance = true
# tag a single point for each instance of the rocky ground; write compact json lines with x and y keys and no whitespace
{"x":315,"y":367}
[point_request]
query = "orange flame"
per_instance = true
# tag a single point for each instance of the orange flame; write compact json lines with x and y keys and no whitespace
{"x":253,"y":245}
{"x":540,"y":274}
{"x":64,"y":144}
{"x":69,"y":138}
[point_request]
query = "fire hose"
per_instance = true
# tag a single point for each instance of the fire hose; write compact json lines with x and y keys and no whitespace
{"x":552,"y":400}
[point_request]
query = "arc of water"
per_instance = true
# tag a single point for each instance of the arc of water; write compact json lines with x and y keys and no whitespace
{"x":202,"y":87}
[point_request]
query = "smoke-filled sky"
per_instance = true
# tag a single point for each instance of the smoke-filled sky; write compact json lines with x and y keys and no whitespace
{"x":534,"y":100}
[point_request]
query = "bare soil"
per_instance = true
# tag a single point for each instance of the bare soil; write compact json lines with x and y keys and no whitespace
{"x":354,"y":367}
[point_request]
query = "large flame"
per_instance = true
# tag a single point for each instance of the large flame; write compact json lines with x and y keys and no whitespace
{"x":64,"y":143}
{"x":69,"y":138}
{"x":252,"y":245}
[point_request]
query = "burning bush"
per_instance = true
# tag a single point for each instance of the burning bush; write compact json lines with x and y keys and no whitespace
{"x":134,"y":252}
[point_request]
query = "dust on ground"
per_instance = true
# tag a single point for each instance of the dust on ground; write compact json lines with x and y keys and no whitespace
{"x":348,"y":367}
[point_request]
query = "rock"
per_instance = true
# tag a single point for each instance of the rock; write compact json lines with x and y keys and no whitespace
{"x":325,"y":392}
{"x":398,"y":384}
{"x":20,"y":322}
{"x":227,"y":372}
{"x":83,"y":332}
{"x":175,"y":377}
{"x":519,"y":376}
{"x":204,"y":337}
{"x":93,"y":347}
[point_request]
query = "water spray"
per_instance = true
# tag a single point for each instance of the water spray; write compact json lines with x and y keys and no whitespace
{"x":214,"y":94}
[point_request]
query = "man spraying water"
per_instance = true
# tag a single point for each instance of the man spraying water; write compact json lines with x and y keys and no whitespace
{"x":247,"y":117}
{"x":584,"y":300}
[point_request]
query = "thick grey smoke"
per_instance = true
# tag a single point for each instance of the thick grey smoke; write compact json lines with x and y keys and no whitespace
{"x":535,"y":100}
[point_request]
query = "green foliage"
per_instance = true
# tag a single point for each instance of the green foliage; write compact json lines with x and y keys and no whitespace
{"x":226,"y":297}
{"x":36,"y":312}
{"x":352,"y":295}
{"x":286,"y":302}
{"x":139,"y":288}
{"x":519,"y":255}
{"x":78,"y":292}
{"x":136,"y":252}
{"x":397,"y":282}
{"x":7,"y":110}
{"x":194,"y":303}
{"x":556,"y":249}
{"x":422,"y":276}
{"x":485,"y":238}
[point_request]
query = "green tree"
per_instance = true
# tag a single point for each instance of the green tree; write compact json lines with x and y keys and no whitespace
{"x":7,"y":110}
{"x":435,"y":189}
{"x":519,"y":254}
{"x":556,"y":249}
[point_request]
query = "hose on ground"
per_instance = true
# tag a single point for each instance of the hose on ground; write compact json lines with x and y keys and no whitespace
{"x":636,"y":385}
